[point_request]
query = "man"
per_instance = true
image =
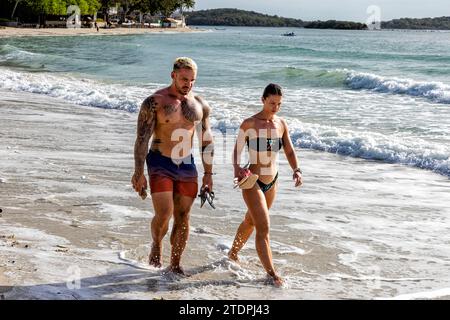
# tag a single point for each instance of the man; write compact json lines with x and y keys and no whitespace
{"x":171,"y":116}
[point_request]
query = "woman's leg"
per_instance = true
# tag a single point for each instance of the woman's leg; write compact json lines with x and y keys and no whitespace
{"x":246,"y":228}
{"x":259,"y":212}
{"x":244,"y":232}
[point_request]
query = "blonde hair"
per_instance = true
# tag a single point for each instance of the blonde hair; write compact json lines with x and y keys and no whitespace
{"x":184,"y":63}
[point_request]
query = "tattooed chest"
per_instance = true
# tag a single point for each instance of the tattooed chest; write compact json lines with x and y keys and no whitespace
{"x":188,"y":110}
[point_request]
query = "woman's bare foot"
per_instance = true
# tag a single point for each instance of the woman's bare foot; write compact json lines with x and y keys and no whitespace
{"x":154,"y":258}
{"x":233,"y":256}
{"x":277,"y":281}
{"x":274,"y":280}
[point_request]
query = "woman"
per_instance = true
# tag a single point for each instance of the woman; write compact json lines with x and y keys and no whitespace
{"x":265,"y":134}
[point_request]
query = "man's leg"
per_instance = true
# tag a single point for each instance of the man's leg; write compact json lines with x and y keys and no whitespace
{"x":162,"y":198}
{"x":183,"y":200}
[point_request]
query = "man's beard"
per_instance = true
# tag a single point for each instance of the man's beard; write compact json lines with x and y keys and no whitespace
{"x":183,"y":90}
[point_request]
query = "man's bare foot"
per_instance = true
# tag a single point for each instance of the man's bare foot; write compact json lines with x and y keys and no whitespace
{"x":178,"y":270}
{"x":233,"y":256}
{"x":154,"y":258}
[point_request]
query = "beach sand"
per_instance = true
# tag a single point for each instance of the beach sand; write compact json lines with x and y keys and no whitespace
{"x":31,"y":32}
{"x":72,"y":227}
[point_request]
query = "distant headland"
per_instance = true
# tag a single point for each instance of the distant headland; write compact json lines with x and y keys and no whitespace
{"x":236,"y":17}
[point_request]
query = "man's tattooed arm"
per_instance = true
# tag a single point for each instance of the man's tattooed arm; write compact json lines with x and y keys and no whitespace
{"x":145,"y":126}
{"x":206,"y":138}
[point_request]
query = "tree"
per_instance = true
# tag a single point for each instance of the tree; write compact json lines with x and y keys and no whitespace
{"x":59,"y":7}
{"x":167,"y":7}
{"x":15,"y":7}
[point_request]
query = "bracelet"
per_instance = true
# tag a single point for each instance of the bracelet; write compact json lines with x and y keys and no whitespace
{"x":209,"y":173}
{"x":298,"y":170}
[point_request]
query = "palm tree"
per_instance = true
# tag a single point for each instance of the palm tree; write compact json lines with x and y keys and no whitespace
{"x":188,"y":4}
{"x":15,"y":7}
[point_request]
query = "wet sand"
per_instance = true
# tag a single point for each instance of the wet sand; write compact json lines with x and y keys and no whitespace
{"x":32,"y":32}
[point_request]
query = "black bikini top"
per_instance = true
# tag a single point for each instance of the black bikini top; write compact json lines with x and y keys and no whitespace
{"x":265,"y":144}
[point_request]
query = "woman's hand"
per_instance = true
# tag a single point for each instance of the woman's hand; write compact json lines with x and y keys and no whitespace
{"x":239,"y":174}
{"x":297,"y":177}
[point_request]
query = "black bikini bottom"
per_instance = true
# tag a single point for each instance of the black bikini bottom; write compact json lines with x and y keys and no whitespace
{"x":266,"y":187}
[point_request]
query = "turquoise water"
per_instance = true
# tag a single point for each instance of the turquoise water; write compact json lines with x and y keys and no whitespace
{"x":374,"y":95}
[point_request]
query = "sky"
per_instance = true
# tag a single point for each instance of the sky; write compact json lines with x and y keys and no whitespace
{"x":354,"y":10}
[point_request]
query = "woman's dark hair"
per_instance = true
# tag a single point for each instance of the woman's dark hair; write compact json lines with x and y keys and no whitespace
{"x":272,"y":90}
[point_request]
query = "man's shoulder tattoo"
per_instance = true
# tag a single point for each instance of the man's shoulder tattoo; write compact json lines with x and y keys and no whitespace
{"x":149,"y":105}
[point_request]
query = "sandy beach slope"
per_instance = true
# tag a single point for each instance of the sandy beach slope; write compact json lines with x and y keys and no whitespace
{"x":29,"y":32}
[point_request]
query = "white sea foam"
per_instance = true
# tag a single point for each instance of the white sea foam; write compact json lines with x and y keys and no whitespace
{"x":373,"y":146}
{"x":9,"y":52}
{"x":120,"y":215}
{"x":77,"y":91}
{"x":282,"y":248}
{"x":434,"y":91}
{"x":365,"y":145}
{"x":421,"y":295}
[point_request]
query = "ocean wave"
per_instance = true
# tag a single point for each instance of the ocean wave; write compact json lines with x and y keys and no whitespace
{"x":307,"y":77}
{"x":434,"y":91}
{"x":9,"y":52}
{"x":437,"y":92}
{"x":18,"y":58}
{"x":74,"y":90}
{"x":373,"y":146}
{"x":365,"y":145}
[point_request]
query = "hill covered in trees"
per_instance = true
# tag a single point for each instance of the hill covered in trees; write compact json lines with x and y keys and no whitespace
{"x":441,"y":23}
{"x":235,"y":17}
{"x":333,"y":24}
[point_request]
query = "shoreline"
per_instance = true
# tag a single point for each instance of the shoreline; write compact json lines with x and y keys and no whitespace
{"x":10,"y":32}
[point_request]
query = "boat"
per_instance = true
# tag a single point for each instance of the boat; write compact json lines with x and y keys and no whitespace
{"x":289,"y":34}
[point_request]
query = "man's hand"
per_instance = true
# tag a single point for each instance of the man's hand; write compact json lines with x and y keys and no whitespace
{"x":139,"y":183}
{"x":297,"y":177}
{"x":207,"y":181}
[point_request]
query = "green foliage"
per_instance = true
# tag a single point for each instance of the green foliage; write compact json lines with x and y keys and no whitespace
{"x":235,"y":17}
{"x":333,"y":24}
{"x":165,"y":7}
{"x":59,"y":7}
{"x":440,"y":23}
